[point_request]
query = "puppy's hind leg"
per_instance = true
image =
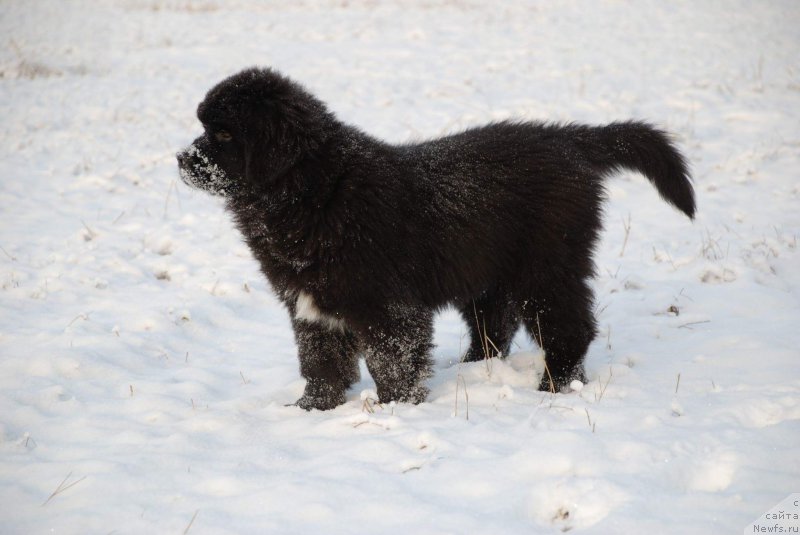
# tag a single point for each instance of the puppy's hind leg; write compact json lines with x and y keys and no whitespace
{"x":560,"y":320}
{"x":492,"y":320}
{"x":397,"y":349}
{"x":328,"y":361}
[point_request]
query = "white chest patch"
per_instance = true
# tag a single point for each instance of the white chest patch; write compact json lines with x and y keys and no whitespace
{"x":306,"y":309}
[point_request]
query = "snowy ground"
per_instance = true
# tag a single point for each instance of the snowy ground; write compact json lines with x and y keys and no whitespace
{"x":144,"y":364}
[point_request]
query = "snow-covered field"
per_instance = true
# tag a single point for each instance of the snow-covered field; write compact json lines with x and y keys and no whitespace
{"x":145,"y":365}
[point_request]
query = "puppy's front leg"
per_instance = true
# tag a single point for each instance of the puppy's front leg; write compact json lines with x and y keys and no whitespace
{"x":397,"y":348}
{"x":328,"y":361}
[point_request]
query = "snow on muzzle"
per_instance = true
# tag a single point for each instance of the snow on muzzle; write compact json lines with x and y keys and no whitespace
{"x":198,"y":171}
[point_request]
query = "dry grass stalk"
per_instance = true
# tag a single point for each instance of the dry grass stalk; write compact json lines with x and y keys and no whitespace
{"x":627,"y":226}
{"x":603,"y":387}
{"x":540,"y":341}
{"x":61,"y":487}
{"x":188,"y":527}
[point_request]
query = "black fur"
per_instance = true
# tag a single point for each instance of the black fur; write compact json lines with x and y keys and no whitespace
{"x":363,"y":240}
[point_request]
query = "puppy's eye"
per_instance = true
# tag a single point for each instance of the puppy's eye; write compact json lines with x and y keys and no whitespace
{"x":223,"y":136}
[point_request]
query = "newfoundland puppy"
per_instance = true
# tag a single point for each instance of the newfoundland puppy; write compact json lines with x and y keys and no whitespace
{"x":364,"y":241}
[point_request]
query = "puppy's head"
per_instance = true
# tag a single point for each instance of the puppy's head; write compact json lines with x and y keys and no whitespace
{"x":258,"y":126}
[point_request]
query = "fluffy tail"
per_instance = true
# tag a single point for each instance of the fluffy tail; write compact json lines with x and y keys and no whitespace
{"x":640,"y":147}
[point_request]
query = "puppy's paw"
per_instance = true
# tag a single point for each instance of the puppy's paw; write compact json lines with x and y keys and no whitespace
{"x":561,"y":383}
{"x":415,"y":394}
{"x":321,"y":396}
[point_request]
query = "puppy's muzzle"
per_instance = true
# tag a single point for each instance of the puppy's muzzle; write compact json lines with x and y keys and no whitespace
{"x":198,"y":171}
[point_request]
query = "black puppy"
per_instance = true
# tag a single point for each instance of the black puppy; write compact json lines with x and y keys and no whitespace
{"x":364,"y":241}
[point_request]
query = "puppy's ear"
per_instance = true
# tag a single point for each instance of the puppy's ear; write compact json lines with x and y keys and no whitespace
{"x":255,"y":160}
{"x":304,"y":124}
{"x":289,"y":132}
{"x":268,"y":155}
